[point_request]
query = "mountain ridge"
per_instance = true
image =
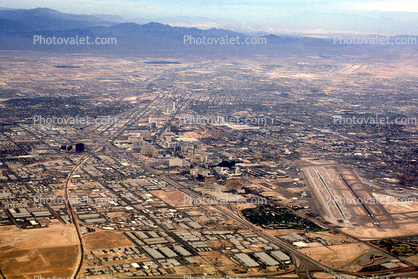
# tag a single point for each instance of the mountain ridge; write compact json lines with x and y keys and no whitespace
{"x":19,"y":30}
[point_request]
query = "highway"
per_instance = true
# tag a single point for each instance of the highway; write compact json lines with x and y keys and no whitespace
{"x":308,"y":265}
{"x":133,"y":115}
{"x":304,"y":270}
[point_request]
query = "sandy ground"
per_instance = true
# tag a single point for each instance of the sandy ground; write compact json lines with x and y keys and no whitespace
{"x":174,"y":198}
{"x":322,"y":275}
{"x":105,"y":240}
{"x":412,"y":259}
{"x":333,"y":238}
{"x":373,"y":233}
{"x":335,"y":255}
{"x":399,"y":207}
{"x":53,"y":251}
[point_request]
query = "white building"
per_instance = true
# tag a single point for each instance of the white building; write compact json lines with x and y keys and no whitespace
{"x":175,"y":162}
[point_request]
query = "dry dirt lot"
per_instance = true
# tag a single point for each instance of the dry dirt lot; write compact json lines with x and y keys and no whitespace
{"x":48,"y":251}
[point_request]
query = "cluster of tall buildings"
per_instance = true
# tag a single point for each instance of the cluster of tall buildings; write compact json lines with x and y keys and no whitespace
{"x":79,"y":147}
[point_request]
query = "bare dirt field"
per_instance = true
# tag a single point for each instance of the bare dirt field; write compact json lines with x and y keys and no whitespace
{"x":374,"y":233}
{"x":174,"y":198}
{"x":336,"y":256}
{"x":53,"y":251}
{"x":333,"y":238}
{"x":105,"y":240}
{"x":411,"y":259}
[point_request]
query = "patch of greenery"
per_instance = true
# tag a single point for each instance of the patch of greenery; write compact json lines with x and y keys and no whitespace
{"x":396,"y":247}
{"x":278,"y":218}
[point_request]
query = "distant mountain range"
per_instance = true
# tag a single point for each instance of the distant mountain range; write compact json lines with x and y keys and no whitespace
{"x":51,"y":20}
{"x":24,"y":30}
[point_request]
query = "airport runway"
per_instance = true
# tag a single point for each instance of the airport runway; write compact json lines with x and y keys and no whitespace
{"x":343,"y":198}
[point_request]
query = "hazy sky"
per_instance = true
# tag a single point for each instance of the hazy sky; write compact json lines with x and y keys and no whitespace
{"x":274,"y":14}
{"x":244,"y":11}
